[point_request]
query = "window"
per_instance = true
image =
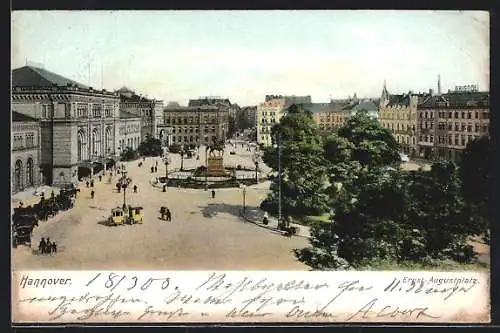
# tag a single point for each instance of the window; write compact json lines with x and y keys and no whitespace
{"x":30,"y":140}
{"x":432,"y":125}
{"x":463,"y":115}
{"x":456,"y":139}
{"x":96,"y":110}
{"x":463,"y":127}
{"x":469,"y":128}
{"x":462,"y":139}
{"x":450,"y":139}
{"x":469,"y":138}
{"x":476,"y":115}
{"x":18,"y":184}
{"x":108,"y":111}
{"x":469,"y":115}
{"x":431,"y":139}
{"x":476,"y":128}
{"x":456,"y":115}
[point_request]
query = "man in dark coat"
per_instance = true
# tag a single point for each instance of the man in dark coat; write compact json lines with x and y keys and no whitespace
{"x":213,"y":194}
{"x":48,"y":246}
{"x":92,"y":193}
{"x":41,"y":246}
{"x":169,"y":215}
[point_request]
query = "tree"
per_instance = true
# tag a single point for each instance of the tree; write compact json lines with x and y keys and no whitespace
{"x":150,"y":147}
{"x":128,"y":154}
{"x":394,"y":217}
{"x":303,"y":168}
{"x":365,"y":140}
{"x":476,"y":175}
{"x":174,"y":148}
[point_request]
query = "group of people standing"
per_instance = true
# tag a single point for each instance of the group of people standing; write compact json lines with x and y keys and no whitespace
{"x":165,"y":214}
{"x":46,"y":246}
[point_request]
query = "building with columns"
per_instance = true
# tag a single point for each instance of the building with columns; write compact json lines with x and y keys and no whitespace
{"x":79,"y":125}
{"x":25,"y":139}
{"x":149,"y":110}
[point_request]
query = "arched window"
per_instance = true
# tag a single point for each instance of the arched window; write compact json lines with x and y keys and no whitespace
{"x":18,"y":185}
{"x":108,"y":140}
{"x":80,"y":145}
{"x":29,"y":172}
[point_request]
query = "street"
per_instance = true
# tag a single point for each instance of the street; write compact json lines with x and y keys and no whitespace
{"x":205,"y":233}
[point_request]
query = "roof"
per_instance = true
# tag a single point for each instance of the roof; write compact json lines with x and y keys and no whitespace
{"x":325,"y":107}
{"x":127,"y":115}
{"x":368,"y":106}
{"x":172,"y":105}
{"x":19,"y":117}
{"x":458,"y":99}
{"x":29,"y":76}
{"x":209,"y":101}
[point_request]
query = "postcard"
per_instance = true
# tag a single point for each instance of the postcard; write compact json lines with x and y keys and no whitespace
{"x":250,"y":166}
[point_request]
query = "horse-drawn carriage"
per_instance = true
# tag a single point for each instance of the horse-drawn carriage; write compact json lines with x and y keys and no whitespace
{"x":129,"y":215}
{"x":23,"y":222}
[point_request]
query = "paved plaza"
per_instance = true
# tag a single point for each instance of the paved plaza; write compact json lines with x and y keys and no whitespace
{"x":205,"y":233}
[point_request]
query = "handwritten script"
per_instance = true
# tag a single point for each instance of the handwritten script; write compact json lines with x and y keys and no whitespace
{"x":249,"y":296}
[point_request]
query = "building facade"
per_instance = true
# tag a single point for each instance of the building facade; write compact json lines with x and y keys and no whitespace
{"x":149,"y":110}
{"x":25,"y":139}
{"x":78,"y":125}
{"x":269,"y":113}
{"x":399,"y":115}
{"x":195,"y":125}
{"x":448,"y":122}
{"x":128,"y":134}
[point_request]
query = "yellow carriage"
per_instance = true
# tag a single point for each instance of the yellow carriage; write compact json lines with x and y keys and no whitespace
{"x":136,"y":214}
{"x":117,"y":216}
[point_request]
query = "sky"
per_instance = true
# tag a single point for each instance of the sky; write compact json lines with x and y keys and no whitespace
{"x":245,"y":55}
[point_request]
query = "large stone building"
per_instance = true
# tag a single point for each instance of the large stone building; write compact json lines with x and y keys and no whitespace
{"x":25,"y":138}
{"x":128,"y":134}
{"x":398,"y":114}
{"x":197,"y":124}
{"x":78,"y":124}
{"x":269,"y":113}
{"x":150,"y":111}
{"x":448,"y":122}
{"x":247,"y":117}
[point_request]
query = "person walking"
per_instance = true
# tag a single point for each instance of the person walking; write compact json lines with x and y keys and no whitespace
{"x":100,"y":177}
{"x":41,"y":246}
{"x":54,"y":247}
{"x":156,"y":169}
{"x":213,"y":194}
{"x":87,"y":183}
{"x":92,"y":183}
{"x":92,"y":193}
{"x":162,"y":212}
{"x":169,"y":215}
{"x":135,"y":188}
{"x":48,"y":246}
{"x":156,"y":164}
{"x":152,"y":169}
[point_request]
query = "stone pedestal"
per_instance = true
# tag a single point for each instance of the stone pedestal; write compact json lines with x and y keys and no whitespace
{"x":215,"y":166}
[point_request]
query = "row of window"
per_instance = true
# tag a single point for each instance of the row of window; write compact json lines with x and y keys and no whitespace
{"x":82,"y":110}
{"x":132,"y":128}
{"x":459,"y":127}
{"x":334,"y":119}
{"x":457,"y":140}
{"x":191,"y":138}
{"x":194,"y":129}
{"x":268,"y":121}
{"x":398,"y":127}
{"x":130,"y":142}
{"x":191,"y":120}
{"x":23,"y":141}
{"x":455,"y":114}
{"x":23,"y":178}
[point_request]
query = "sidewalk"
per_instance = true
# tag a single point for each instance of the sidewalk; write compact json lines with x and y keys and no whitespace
{"x":256,"y":215}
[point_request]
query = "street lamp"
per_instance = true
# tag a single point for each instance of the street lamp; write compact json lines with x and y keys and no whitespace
{"x":255,"y":159}
{"x":278,"y":146}
{"x":244,"y":197}
{"x":124,"y":182}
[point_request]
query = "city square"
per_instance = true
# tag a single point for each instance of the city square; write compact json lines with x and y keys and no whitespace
{"x":205,"y":233}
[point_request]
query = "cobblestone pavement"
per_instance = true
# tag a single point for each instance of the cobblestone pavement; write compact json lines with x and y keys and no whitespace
{"x":205,"y":233}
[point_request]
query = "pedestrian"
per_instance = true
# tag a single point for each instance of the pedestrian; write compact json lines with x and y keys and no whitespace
{"x":156,"y":169}
{"x":156,"y":164}
{"x":48,"y":246}
{"x":266,"y":219}
{"x":41,"y":246}
{"x":152,"y":169}
{"x":100,"y":177}
{"x":135,"y":188}
{"x":162,"y":212}
{"x":52,"y":194}
{"x":169,"y":215}
{"x":92,"y":183}
{"x":87,"y":183}
{"x":92,"y":193}
{"x":164,"y":188}
{"x":213,"y":194}
{"x":54,"y":247}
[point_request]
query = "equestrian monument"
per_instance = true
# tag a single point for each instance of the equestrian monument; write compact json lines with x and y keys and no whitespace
{"x":215,"y":159}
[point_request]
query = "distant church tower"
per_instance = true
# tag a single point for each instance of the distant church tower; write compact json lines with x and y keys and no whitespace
{"x":384,"y":99}
{"x":439,"y":85}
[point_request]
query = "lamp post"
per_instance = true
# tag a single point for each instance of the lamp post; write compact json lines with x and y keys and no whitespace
{"x":255,"y":159}
{"x":278,"y":146}
{"x":124,"y":183}
{"x":244,"y":197}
